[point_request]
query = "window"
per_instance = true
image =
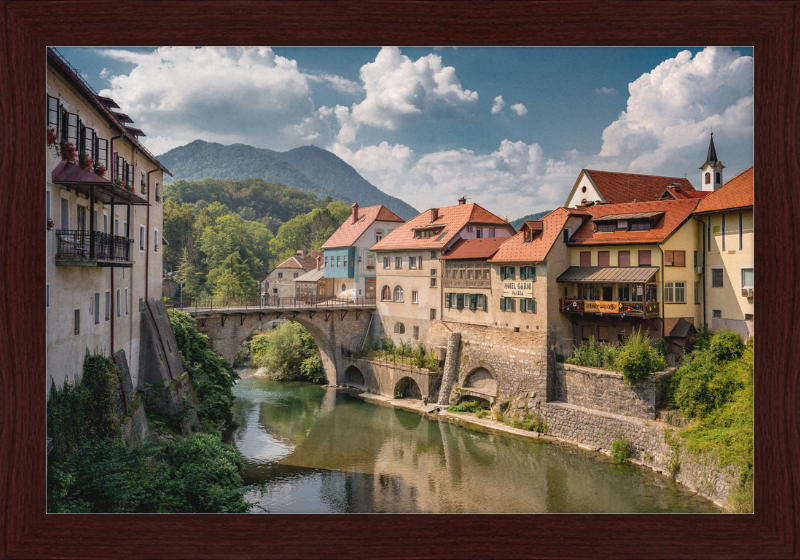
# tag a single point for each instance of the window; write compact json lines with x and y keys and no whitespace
{"x":527,"y":236}
{"x":399,"y":328}
{"x":386,"y":263}
{"x":506,"y":273}
{"x":604,"y":259}
{"x":398,"y":294}
{"x":716,"y":313}
{"x":108,"y":305}
{"x":747,"y":278}
{"x":624,"y":258}
{"x":295,"y":275}
{"x":708,"y":178}
{"x":326,"y":262}
{"x":491,"y":232}
{"x":586,"y":258}
{"x":718,"y":177}
{"x":748,"y":316}
{"x":398,"y":262}
{"x":378,"y":235}
{"x":97,"y":308}
{"x":716,"y":277}
{"x":433,"y":254}
{"x":565,"y":235}
{"x":433,"y":282}
{"x":447,"y":298}
{"x":433,"y":314}
{"x":433,"y":272}
{"x":370,"y":261}
{"x":674,"y":258}
{"x":674,"y":292}
{"x":344,"y":259}
{"x":644,"y":258}
{"x":624,"y":292}
{"x":602,"y":334}
{"x":338,"y":261}
{"x":471,"y":300}
{"x":158,"y":198}
{"x":527,"y":273}
{"x":527,"y":305}
{"x":105,"y":222}
{"x":640,"y":226}
{"x":606,"y":228}
{"x":741,"y":225}
{"x":142,"y":244}
{"x":416,"y":333}
{"x":280,"y":275}
{"x":507,"y":304}
{"x":119,"y":303}
{"x":412,"y":263}
{"x":126,"y":301}
{"x":586,"y":332}
{"x":47,"y":296}
{"x":77,"y":321}
{"x":155,"y":241}
{"x":470,"y":271}
{"x":697,"y":292}
{"x":723,"y":232}
{"x":478,"y":233}
{"x":709,"y":234}
{"x":414,"y":297}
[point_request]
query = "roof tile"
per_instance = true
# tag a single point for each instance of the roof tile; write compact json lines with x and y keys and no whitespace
{"x":474,"y":248}
{"x":618,"y":188}
{"x":516,"y":250}
{"x":349,"y":232}
{"x":736,"y":193}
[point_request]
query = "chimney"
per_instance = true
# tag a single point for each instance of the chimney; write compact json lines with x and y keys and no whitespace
{"x":355,"y":212}
{"x":299,"y":253}
{"x":434,"y":214}
{"x":319,"y":262}
{"x":462,"y":200}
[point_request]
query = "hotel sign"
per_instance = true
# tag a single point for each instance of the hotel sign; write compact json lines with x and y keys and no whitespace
{"x":518,"y":289}
{"x":601,"y":306}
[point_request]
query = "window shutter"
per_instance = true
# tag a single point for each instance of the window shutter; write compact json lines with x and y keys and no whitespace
{"x":447,"y":300}
{"x":513,"y":305}
{"x":473,"y":302}
{"x":679,"y":258}
{"x":533,"y":273}
{"x":624,"y":258}
{"x":513,"y":271}
{"x":483,"y":301}
{"x":502,"y":273}
{"x":668,"y":258}
{"x":604,"y":258}
{"x":72,"y":129}
{"x":644,"y":258}
{"x":502,"y":304}
{"x":533,"y":301}
{"x":586,"y":258}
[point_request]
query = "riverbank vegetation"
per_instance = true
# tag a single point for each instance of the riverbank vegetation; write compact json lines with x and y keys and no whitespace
{"x":713,"y":389}
{"x":403,"y":353}
{"x":224,"y":236}
{"x":635,"y":357}
{"x":288,"y":353}
{"x":93,"y":469}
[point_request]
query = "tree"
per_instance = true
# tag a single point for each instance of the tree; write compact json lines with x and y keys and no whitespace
{"x":193,"y":279}
{"x":179,"y":231}
{"x":232,"y":278}
{"x":230,"y":234}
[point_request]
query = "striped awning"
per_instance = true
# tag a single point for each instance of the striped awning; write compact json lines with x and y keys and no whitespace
{"x":609,"y":275}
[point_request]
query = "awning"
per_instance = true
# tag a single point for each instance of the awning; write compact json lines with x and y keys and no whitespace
{"x":82,"y":180}
{"x":608,"y":275}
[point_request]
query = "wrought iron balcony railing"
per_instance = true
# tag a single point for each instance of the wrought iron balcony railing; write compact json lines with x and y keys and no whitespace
{"x":78,"y":246}
{"x":619,"y":308}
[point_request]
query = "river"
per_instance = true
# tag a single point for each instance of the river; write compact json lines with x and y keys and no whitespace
{"x":322,"y":451}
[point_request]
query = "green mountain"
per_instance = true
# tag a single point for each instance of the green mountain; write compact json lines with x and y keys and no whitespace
{"x":325,"y":168}
{"x":538,"y":216}
{"x":306,"y":169}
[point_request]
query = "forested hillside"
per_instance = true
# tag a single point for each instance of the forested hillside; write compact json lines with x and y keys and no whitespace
{"x":308,"y":169}
{"x":538,"y":216}
{"x":224,"y":236}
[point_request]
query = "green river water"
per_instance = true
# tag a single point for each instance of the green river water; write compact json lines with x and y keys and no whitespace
{"x":319,"y":451}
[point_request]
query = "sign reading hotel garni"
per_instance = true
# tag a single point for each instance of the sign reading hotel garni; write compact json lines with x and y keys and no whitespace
{"x":518,"y":289}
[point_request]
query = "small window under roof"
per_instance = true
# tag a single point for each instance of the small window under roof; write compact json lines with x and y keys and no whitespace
{"x":441,"y":236}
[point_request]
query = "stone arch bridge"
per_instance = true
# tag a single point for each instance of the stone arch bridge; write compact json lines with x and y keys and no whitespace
{"x":334,"y":325}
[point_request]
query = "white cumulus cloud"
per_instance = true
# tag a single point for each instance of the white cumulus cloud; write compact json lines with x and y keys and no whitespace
{"x":606,"y":90}
{"x":672,"y":109}
{"x":519,"y":109}
{"x":497,"y":106}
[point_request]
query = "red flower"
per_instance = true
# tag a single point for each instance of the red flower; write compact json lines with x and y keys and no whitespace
{"x":68,"y":151}
{"x":85,"y":162}
{"x":99,"y":169}
{"x":52,"y":137}
{"x":50,"y":224}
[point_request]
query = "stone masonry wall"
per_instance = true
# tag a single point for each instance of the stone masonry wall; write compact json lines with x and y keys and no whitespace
{"x":597,"y":430}
{"x":383,"y":377}
{"x":607,"y":391}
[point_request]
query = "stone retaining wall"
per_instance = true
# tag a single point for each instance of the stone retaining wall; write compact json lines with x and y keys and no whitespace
{"x":607,"y":391}
{"x":597,"y":430}
{"x":383,"y":377}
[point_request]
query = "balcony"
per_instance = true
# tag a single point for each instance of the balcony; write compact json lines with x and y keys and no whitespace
{"x":467,"y":283}
{"x":620,"y":309}
{"x":77,"y":247}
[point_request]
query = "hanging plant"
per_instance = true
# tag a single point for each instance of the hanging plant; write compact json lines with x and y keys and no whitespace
{"x":68,"y":151}
{"x":52,"y":137}
{"x":99,"y":169}
{"x":85,"y":162}
{"x":120,"y":183}
{"x":50,"y":224}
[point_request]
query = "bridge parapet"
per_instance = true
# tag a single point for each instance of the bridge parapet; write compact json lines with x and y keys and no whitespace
{"x":303,"y":303}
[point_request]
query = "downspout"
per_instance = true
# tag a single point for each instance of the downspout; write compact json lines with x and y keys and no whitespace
{"x":703,"y":274}
{"x":147,"y":240}
{"x":111,"y":268}
{"x":663,"y":307}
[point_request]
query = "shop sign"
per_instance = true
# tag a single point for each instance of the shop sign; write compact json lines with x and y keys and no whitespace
{"x":601,"y":306}
{"x":518,"y":289}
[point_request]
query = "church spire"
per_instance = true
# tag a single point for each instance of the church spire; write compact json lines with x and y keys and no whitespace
{"x":711,"y":170}
{"x":711,"y":158}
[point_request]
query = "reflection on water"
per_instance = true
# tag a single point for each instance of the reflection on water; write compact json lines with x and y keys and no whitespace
{"x":317,"y":451}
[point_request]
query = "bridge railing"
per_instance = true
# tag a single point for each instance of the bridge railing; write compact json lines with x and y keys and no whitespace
{"x":310,"y":301}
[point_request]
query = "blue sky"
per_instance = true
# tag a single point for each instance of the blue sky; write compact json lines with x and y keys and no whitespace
{"x":508,"y":127}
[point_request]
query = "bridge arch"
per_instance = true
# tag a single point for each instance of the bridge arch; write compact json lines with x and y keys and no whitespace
{"x":407,"y":388}
{"x":354,"y":376}
{"x":481,"y":380}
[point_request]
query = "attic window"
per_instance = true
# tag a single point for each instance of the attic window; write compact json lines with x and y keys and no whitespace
{"x":528,"y":235}
{"x":606,"y":228}
{"x":441,"y":236}
{"x":640,"y":226}
{"x":622,"y":224}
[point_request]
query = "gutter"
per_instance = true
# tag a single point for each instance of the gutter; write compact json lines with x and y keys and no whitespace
{"x":111,"y":226}
{"x":663,"y":302}
{"x":147,"y":241}
{"x":703,"y":274}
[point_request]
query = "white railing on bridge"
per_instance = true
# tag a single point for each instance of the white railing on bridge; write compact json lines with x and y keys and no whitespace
{"x":271,"y":303}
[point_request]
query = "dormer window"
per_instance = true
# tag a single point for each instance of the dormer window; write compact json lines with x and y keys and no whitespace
{"x":622,"y":224}
{"x":606,"y":228}
{"x":528,"y":236}
{"x":640,"y":226}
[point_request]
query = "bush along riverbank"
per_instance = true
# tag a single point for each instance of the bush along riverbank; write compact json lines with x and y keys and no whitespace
{"x":288,"y":353}
{"x":94,"y":469}
{"x":713,"y":391}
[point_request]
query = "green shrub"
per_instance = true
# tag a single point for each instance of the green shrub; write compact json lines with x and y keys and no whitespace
{"x":621,"y":450}
{"x":586,"y":354}
{"x":465,"y":406}
{"x":387,"y":344}
{"x":726,"y":345}
{"x":532,"y":424}
{"x":637,"y":357}
{"x":288,"y":353}
{"x":607,"y":355}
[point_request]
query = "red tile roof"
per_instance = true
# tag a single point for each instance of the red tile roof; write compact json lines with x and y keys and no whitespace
{"x":475,"y":248}
{"x":306,"y":263}
{"x":682,"y":194}
{"x":676,"y":212}
{"x":516,"y":250}
{"x":349,"y":232}
{"x":618,"y":188}
{"x":736,"y":193}
{"x":451,"y":218}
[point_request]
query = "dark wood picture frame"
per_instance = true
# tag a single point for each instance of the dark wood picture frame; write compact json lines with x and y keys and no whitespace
{"x":773,"y":28}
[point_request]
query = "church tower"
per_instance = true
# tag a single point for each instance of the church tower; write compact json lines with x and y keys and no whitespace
{"x":711,"y":171}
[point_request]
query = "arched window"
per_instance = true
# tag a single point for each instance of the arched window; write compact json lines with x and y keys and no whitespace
{"x":386,"y":293}
{"x":719,"y":177}
{"x":708,"y":178}
{"x":399,"y":328}
{"x":398,"y":294}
